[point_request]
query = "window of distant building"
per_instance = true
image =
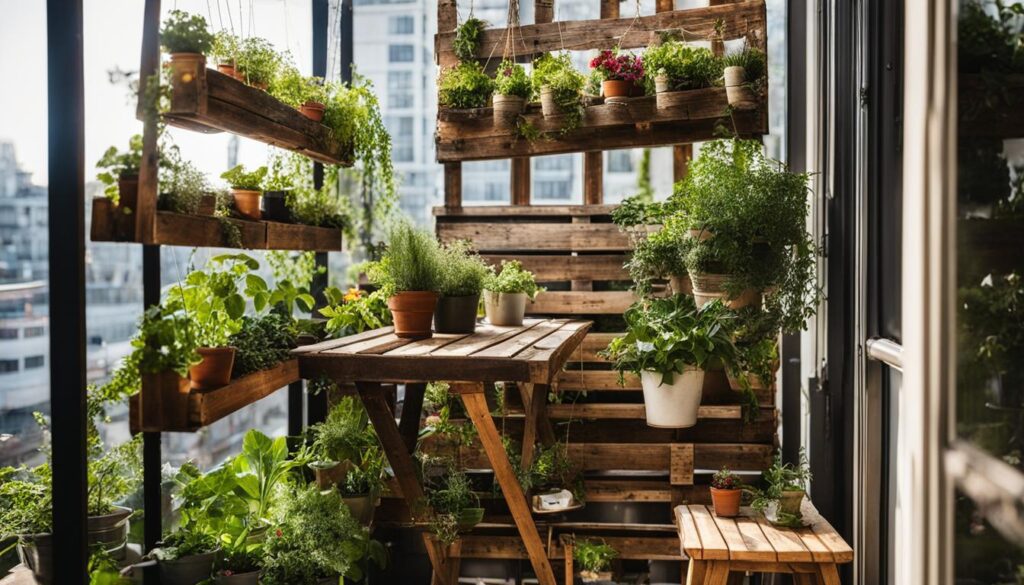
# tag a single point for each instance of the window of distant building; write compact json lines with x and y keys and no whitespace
{"x":8,"y":366}
{"x":402,"y":145}
{"x":35,"y":331}
{"x":552,"y":163}
{"x":10,"y":333}
{"x":400,"y":89}
{"x":401,"y":25}
{"x":401,"y":53}
{"x":552,"y":189}
{"x":620,"y":161}
{"x":34,"y":361}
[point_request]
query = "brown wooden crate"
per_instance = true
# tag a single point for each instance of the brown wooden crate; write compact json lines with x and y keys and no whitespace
{"x":210,"y":406}
{"x":493,"y":236}
{"x":513,"y":212}
{"x":581,"y":303}
{"x":176,"y":229}
{"x":291,"y":236}
{"x":563,"y":267}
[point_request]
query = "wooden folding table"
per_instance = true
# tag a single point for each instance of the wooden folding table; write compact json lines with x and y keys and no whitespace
{"x":531,"y":355}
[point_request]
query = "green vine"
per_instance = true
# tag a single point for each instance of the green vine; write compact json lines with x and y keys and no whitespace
{"x":467,"y":38}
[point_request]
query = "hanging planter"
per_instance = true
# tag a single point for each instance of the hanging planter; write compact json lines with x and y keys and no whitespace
{"x":313,"y":110}
{"x":214,"y":371}
{"x":621,"y":74}
{"x":507,"y":109}
{"x":672,"y":405}
{"x":708,"y":287}
{"x":511,"y":89}
{"x":738,"y":90}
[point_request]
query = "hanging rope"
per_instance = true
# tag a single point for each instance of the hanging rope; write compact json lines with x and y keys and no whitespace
{"x":231,"y":21}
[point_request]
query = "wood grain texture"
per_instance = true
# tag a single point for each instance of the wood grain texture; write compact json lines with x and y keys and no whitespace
{"x":292,"y":236}
{"x":521,"y":186}
{"x":713,"y":545}
{"x":562,"y":267}
{"x":593,"y":176}
{"x":452,"y":185}
{"x":207,"y":407}
{"x":581,"y":303}
{"x":513,"y":212}
{"x":632,"y":411}
{"x":494,"y":237}
{"x":681,"y":464}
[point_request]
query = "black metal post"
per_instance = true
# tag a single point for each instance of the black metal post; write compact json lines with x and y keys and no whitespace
{"x":152,"y":457}
{"x":66,"y":91}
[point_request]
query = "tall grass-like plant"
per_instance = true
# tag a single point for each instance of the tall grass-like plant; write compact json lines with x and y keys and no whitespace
{"x":412,"y":261}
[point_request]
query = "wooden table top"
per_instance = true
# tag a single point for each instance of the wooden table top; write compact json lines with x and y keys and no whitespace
{"x":750,"y":537}
{"x":533,"y":352}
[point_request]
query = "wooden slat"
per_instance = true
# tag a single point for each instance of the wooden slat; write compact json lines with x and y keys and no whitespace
{"x":523,"y":340}
{"x":453,"y":184}
{"x":610,"y":9}
{"x":521,"y":184}
{"x":290,"y":236}
{"x":210,"y":406}
{"x":819,"y":552}
{"x":787,"y":544}
{"x":635,"y":123}
{"x":493,"y":237}
{"x":516,"y":211}
{"x":681,"y":464}
{"x":682,"y":154}
{"x":486,"y":336}
{"x":562,"y":267}
{"x":689,"y":539}
{"x":628,"y":490}
{"x":376,"y":345}
{"x":733,"y":21}
{"x":511,"y":547}
{"x":343,"y":341}
{"x":716,"y":389}
{"x":600,"y":411}
{"x":754,"y":539}
{"x":543,"y":11}
{"x":425,"y":346}
{"x":547,"y":356}
{"x":741,"y":547}
{"x":581,"y":303}
{"x":713,"y":546}
{"x":593,"y":176}
{"x":828,"y":536}
{"x":175,"y":229}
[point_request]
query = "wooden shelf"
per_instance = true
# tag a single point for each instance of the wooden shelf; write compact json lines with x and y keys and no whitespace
{"x":206,"y":407}
{"x":468,"y":135}
{"x":203,"y":231}
{"x":205,"y":100}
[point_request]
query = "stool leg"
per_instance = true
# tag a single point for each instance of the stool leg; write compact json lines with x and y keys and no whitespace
{"x":695,"y":574}
{"x":828,"y":574}
{"x":718,"y":573}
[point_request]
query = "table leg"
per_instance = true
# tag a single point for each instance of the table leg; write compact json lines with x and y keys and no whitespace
{"x":568,"y":548}
{"x":828,"y":574}
{"x":536,"y":423}
{"x":474,"y":399}
{"x":412,"y":408}
{"x":697,"y":572}
{"x":803,"y":578}
{"x":736,"y":578}
{"x":383,"y":420}
{"x":717,"y":574}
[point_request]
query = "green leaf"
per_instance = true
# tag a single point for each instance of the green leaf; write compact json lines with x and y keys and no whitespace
{"x":235,"y":306}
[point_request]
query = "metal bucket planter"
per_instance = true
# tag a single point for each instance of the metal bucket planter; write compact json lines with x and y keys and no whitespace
{"x":36,"y":553}
{"x":708,"y":287}
{"x":505,"y":309}
{"x":110,"y":531}
{"x":674,"y":405}
{"x":456,"y":314}
{"x":187,"y":570}
{"x":506,"y":111}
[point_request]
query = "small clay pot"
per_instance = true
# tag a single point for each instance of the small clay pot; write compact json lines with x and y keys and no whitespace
{"x":412,"y":312}
{"x":228,"y":69}
{"x":313,"y":110}
{"x":727,"y":502}
{"x":275,"y":206}
{"x":456,"y":314}
{"x":616,"y":88}
{"x":247,"y":203}
{"x":506,"y":111}
{"x":215,"y":369}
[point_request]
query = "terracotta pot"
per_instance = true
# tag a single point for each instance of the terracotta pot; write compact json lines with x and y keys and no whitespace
{"x":737,"y":90}
{"x":215,"y":369}
{"x":313,"y":110}
{"x":228,"y":69}
{"x":35,"y":552}
{"x":727,"y":502}
{"x":791,"y":501}
{"x":616,"y":88}
{"x":110,"y":531}
{"x":247,"y":203}
{"x":413,"y":312}
{"x":275,"y":207}
{"x":681,"y":285}
{"x":506,"y":111}
{"x":262,"y":85}
{"x":456,"y":314}
{"x":708,"y":287}
{"x":329,"y":477}
{"x":505,"y":309}
{"x":187,"y":570}
{"x":672,"y":406}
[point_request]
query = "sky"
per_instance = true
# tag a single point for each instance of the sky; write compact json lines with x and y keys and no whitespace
{"x":113,"y":39}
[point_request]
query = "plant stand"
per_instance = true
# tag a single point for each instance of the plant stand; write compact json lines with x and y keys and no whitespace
{"x":533,"y":353}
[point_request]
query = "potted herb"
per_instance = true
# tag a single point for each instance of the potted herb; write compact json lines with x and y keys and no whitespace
{"x":364,"y":483}
{"x":408,"y":273}
{"x":278,"y":192}
{"x":246,"y":188}
{"x":512,"y":89}
{"x":462,"y":278}
{"x":744,"y":71}
{"x":464,"y":86}
{"x":669,"y":343}
{"x":119,"y":173}
{"x":659,"y":256}
{"x":675,"y":66}
{"x":258,"y":62}
{"x":594,"y":559}
{"x":456,"y":507}
{"x":783,"y":494}
{"x":506,"y":293}
{"x":726,"y":489}
{"x":26,"y":499}
{"x":186,"y":38}
{"x":621,"y":73}
{"x":555,"y":480}
{"x":467,"y":38}
{"x":307,"y":94}
{"x":182,"y":188}
{"x":338,"y":441}
{"x":185,"y":556}
{"x":354,"y":311}
{"x":239,"y":565}
{"x":225,"y":50}
{"x":559,"y":86}
{"x":262,"y":342}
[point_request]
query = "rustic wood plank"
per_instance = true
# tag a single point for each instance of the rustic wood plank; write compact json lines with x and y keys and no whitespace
{"x":526,"y":338}
{"x":716,"y":390}
{"x":521,"y":184}
{"x":493,"y":236}
{"x":581,"y":303}
{"x":375,"y":345}
{"x":754,"y":540}
{"x":428,"y":345}
{"x":207,"y":407}
{"x":593,"y":176}
{"x":511,"y":547}
{"x":543,"y":11}
{"x":689,"y":537}
{"x":293,"y":236}
{"x":342,"y":341}
{"x":738,"y":20}
{"x":401,"y":462}
{"x":718,"y":573}
{"x":697,"y":572}
{"x":828,"y":536}
{"x":401,"y":369}
{"x":787,"y":544}
{"x":681,"y":464}
{"x":453,"y":184}
{"x":477,"y":409}
{"x":828,"y":574}
{"x":562,"y":267}
{"x":628,"y":490}
{"x":713,"y":546}
{"x":610,"y":9}
{"x":412,"y":409}
{"x":177,"y":229}
{"x":819,"y":552}
{"x":738,"y":549}
{"x":599,"y":411}
{"x":516,"y":211}
{"x":547,"y":356}
{"x":486,"y":336}
{"x":682,"y":154}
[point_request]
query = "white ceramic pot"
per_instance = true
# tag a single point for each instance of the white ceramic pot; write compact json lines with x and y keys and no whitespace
{"x":505,"y":308}
{"x":673,"y":405}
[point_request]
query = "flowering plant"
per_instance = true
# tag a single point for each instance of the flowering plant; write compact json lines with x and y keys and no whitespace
{"x":613,"y":66}
{"x":725,"y":480}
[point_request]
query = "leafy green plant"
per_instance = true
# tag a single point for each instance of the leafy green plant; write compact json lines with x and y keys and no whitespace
{"x":225,"y":47}
{"x":552,"y":468}
{"x":512,"y":278}
{"x":557,"y":74}
{"x":165,"y":343}
{"x":258,"y":61}
{"x":782,"y":477}
{"x":725,"y":480}
{"x":464,"y":86}
{"x":239,"y":560}
{"x":467,"y":38}
{"x":463,"y":272}
{"x":295,"y":89}
{"x":367,"y":477}
{"x":637,"y":211}
{"x":262,"y":342}
{"x":115,"y":165}
{"x":26,"y":500}
{"x":241,"y":179}
{"x":182,"y":188}
{"x":666,"y":335}
{"x":987,"y":43}
{"x":593,"y":556}
{"x":512,"y":80}
{"x":685,"y":66}
{"x":449,"y":496}
{"x":411,"y":263}
{"x":184,"y":542}
{"x":657,"y":256}
{"x":354,"y":311}
{"x":344,"y":434}
{"x":185,"y":33}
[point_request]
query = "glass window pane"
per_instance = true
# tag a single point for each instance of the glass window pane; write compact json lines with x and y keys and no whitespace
{"x":981,"y":554}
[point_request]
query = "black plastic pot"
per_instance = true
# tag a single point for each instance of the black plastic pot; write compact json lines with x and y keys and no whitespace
{"x":456,"y":314}
{"x":275,"y":207}
{"x":36,"y":553}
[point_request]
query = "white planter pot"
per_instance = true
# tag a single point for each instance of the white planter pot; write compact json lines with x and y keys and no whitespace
{"x":672,"y":405}
{"x":505,"y":308}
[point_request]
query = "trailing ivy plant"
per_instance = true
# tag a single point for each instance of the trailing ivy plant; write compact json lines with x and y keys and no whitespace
{"x":467,"y":38}
{"x":464,"y":86}
{"x":185,"y":33}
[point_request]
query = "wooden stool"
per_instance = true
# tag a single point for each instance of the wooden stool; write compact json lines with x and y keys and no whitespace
{"x":716,"y":546}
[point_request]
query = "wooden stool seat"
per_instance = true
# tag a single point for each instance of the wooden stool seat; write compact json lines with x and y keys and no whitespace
{"x":716,"y":546}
